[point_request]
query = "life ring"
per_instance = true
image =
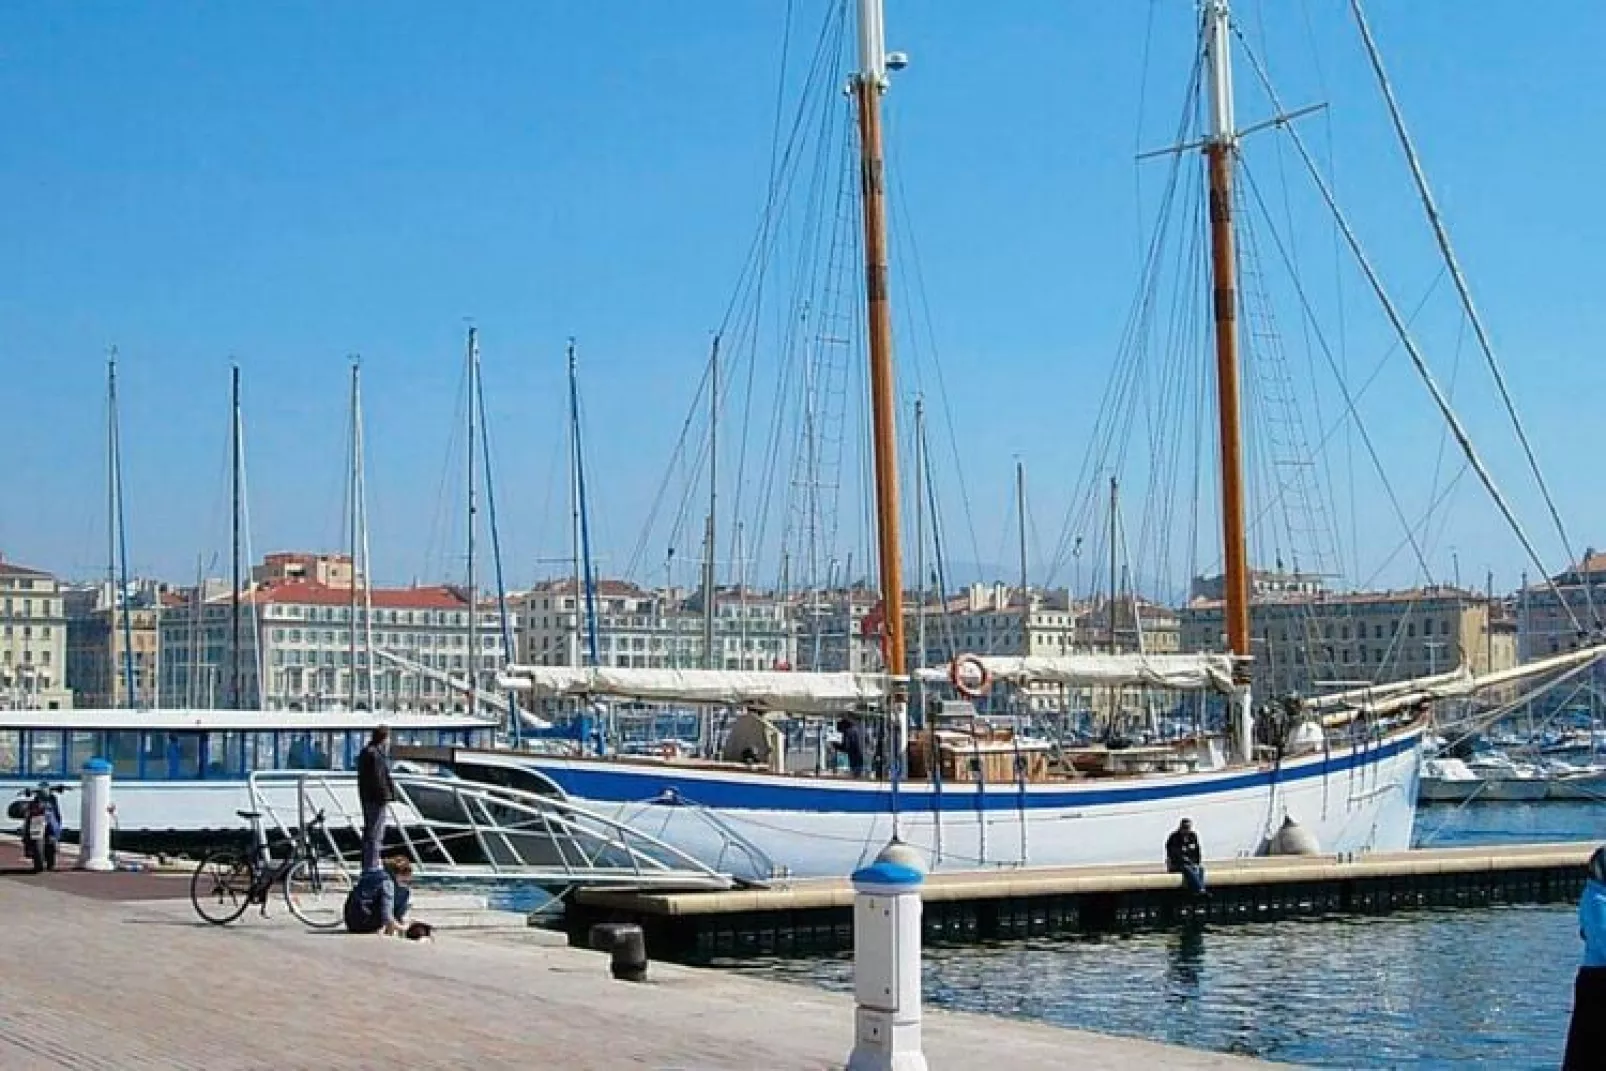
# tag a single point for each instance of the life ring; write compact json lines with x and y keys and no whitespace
{"x":956,"y":676}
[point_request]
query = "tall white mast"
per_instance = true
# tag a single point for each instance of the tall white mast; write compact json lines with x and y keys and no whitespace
{"x":473,"y":513}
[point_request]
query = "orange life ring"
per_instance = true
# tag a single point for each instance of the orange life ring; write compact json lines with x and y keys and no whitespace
{"x":956,"y":676}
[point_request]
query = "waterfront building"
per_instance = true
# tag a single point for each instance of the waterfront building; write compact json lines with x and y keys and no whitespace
{"x":103,"y":622}
{"x":33,"y":640}
{"x":1546,"y":612}
{"x":305,"y":646}
{"x":837,"y":630}
{"x":1308,"y":643}
{"x":1276,"y":583}
{"x":663,"y":629}
{"x":994,"y":619}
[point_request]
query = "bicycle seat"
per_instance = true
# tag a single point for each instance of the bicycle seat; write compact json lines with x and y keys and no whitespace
{"x":249,"y":815}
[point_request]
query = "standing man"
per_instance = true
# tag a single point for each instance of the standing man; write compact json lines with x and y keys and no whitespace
{"x":1182,"y":856}
{"x":376,"y":790}
{"x":1586,"y":1035}
{"x":852,"y":745}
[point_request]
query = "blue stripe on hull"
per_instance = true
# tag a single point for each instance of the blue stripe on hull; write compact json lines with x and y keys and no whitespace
{"x":625,"y":784}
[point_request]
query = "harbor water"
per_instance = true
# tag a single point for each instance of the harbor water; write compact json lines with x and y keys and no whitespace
{"x":1427,"y":989}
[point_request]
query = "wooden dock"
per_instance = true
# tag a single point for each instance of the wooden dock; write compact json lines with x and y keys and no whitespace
{"x":815,"y":915}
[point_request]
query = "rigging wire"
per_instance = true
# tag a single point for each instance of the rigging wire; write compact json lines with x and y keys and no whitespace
{"x":1350,"y":398}
{"x":1442,"y":237}
{"x":739,"y":325}
{"x":1407,"y":339}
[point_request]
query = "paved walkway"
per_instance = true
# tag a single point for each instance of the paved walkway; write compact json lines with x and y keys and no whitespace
{"x":94,"y":984}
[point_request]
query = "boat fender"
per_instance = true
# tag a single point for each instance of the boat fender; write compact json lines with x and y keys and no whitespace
{"x":1294,"y":839}
{"x":973,"y":685}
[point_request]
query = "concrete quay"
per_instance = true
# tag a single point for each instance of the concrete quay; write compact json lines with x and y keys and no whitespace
{"x":113,"y":971}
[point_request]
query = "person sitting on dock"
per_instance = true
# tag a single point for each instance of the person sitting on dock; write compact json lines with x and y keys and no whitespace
{"x":376,"y":790}
{"x":1586,"y":1036}
{"x":1182,"y":857}
{"x":378,"y":902}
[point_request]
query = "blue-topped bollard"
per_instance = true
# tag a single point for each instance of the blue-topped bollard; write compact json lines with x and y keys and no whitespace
{"x":94,"y":816}
{"x":886,"y":963}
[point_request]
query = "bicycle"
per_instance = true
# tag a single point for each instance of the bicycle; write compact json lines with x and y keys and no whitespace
{"x":225,"y":883}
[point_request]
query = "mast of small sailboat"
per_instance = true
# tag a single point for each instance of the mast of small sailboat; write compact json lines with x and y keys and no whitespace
{"x":708,"y":585}
{"x":236,"y":467}
{"x":357,"y":517}
{"x":868,"y":85}
{"x":473,"y":514}
{"x":117,"y":544}
{"x":1221,"y":147}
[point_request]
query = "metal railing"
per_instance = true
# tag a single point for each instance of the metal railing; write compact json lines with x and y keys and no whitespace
{"x":452,"y":827}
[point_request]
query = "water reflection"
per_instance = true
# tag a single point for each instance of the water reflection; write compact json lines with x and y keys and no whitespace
{"x":1186,"y":958}
{"x":1433,"y":989}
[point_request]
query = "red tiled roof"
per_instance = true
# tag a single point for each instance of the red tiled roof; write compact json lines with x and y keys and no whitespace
{"x":13,"y":569}
{"x":308,"y":593}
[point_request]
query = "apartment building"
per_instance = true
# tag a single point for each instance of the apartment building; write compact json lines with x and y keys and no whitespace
{"x":305,"y":645}
{"x":104,"y":623}
{"x":33,"y":640}
{"x":1305,"y":644}
{"x":645,"y":629}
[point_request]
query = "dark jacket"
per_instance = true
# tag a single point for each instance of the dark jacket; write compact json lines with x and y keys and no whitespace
{"x":373,"y":776}
{"x":1181,"y":849}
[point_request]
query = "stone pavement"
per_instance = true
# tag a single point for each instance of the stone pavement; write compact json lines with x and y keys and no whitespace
{"x":113,"y":986}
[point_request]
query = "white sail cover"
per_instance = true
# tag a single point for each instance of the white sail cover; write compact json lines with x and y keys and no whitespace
{"x":762,"y":690}
{"x":1457,"y":684}
{"x":1183,"y":672}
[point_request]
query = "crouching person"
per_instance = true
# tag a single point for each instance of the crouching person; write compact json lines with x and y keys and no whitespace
{"x":378,"y":902}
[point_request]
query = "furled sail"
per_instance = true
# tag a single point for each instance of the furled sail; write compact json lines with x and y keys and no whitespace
{"x":1457,"y":684}
{"x":763,"y":690}
{"x":1183,"y":672}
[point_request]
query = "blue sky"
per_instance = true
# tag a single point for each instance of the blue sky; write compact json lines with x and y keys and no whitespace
{"x":291,"y":183}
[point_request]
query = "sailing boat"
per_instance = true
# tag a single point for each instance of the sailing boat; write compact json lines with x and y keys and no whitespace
{"x":970,"y":796}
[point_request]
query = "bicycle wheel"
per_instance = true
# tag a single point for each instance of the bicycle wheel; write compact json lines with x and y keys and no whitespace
{"x":221,"y":887}
{"x":316,"y":890}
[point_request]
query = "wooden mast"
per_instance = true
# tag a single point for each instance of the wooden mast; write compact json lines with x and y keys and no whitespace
{"x":1221,"y":146}
{"x":868,"y":85}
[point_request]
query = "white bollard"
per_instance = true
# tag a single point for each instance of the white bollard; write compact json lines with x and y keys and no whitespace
{"x":94,"y":816}
{"x":886,"y":964}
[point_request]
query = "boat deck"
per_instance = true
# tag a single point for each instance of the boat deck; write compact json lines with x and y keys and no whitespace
{"x":815,"y":914}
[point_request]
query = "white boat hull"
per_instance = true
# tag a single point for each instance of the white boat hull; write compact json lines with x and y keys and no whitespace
{"x":1489,"y":789}
{"x":1352,"y":800}
{"x":1587,"y":786}
{"x":186,"y":808}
